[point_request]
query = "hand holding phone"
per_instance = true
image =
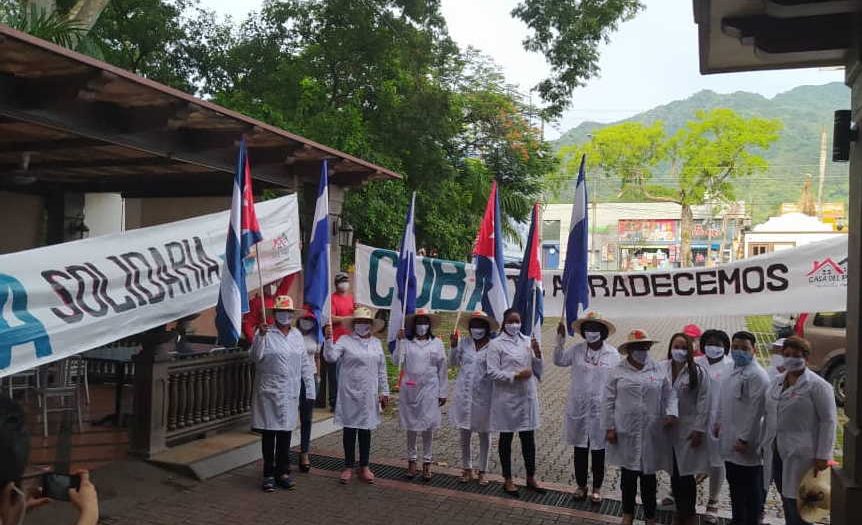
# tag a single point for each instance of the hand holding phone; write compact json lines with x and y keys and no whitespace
{"x":57,"y":486}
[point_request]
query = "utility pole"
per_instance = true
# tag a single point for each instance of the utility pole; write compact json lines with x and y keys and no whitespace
{"x":822,"y":172}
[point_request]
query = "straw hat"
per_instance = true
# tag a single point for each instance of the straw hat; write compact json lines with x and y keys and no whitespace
{"x":364,"y":313}
{"x":813,"y":497}
{"x":422,"y":312}
{"x":636,"y":336}
{"x":593,"y":317}
{"x":282,"y":302}
{"x":493,"y":325}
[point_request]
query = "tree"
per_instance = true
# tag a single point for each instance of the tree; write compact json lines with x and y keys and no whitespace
{"x":702,"y":160}
{"x":569,"y":34}
{"x":65,"y":23}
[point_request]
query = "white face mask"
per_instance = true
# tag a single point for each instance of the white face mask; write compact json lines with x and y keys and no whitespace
{"x":342,"y":287}
{"x":422,"y":329}
{"x":283,"y":318}
{"x":362,"y":330}
{"x":794,"y":364}
{"x":713,"y":351}
{"x":592,"y":337}
{"x":306,"y":324}
{"x":512,"y":328}
{"x":680,"y":355}
{"x":477,"y":333}
{"x":639,"y":356}
{"x":777,"y":360}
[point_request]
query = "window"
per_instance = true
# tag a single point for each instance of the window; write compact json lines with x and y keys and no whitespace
{"x":831,"y":319}
{"x":550,"y":230}
{"x":759,"y":249}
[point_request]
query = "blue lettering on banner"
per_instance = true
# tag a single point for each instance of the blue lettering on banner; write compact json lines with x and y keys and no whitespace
{"x":32,"y":331}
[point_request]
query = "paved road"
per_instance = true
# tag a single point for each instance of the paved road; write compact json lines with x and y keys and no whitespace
{"x":554,"y":457}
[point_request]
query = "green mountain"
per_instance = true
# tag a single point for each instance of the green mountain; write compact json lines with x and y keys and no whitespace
{"x":804,"y":110}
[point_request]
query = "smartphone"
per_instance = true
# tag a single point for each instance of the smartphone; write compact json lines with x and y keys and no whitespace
{"x":56,"y":486}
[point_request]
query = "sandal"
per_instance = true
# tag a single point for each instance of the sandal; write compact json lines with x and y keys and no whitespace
{"x":366,"y":475}
{"x":515,"y":493}
{"x":580,"y":493}
{"x":481,"y":478}
{"x":346,"y":475}
{"x":466,"y":476}
{"x":596,"y":497}
{"x":426,"y":471}
{"x":533,"y":485}
{"x":411,"y":469}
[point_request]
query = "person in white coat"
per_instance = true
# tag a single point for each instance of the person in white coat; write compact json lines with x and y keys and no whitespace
{"x":638,"y":410}
{"x":363,"y":387}
{"x":800,"y":426}
{"x":590,"y":361}
{"x":307,"y":325}
{"x":739,"y":429}
{"x":515,"y":365}
{"x":424,"y":386}
{"x":470,"y":410}
{"x":282,"y":366}
{"x":776,"y":359}
{"x":688,"y":436}
{"x":718,"y":364}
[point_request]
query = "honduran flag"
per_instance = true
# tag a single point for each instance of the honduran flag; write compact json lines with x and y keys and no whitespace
{"x":243,"y":232}
{"x":529,"y":292}
{"x":316,"y":291}
{"x":577,"y":255}
{"x":404,"y":302}
{"x":488,"y":259}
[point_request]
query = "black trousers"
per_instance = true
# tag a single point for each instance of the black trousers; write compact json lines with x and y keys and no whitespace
{"x":746,"y":492}
{"x":684,"y":490}
{"x":276,"y":452}
{"x":306,"y":409}
{"x":349,"y":438}
{"x":629,"y":487}
{"x":528,"y":449}
{"x":582,"y":455}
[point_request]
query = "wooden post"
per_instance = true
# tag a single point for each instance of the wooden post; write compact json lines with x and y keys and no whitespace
{"x":149,"y":426}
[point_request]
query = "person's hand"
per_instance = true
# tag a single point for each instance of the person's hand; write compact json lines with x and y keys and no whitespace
{"x":327,"y":331}
{"x":561,"y":330}
{"x":611,"y":436}
{"x":740,"y":446}
{"x":12,"y":504}
{"x":384,"y":401}
{"x":85,"y":498}
{"x":524,"y":374}
{"x":400,"y":334}
{"x":453,"y":339}
{"x":537,"y":350}
{"x":441,"y":401}
{"x":820,"y":465}
{"x":669,"y":421}
{"x":262,"y":328}
{"x":696,"y":439}
{"x":716,"y":428}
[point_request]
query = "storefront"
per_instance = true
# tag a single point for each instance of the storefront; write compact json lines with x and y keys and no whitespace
{"x":645,"y":244}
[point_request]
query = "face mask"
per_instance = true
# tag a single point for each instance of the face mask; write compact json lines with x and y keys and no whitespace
{"x":639,"y":356}
{"x":713,"y":351}
{"x":776,"y":360}
{"x":362,"y":330}
{"x":592,"y":337}
{"x":283,"y":318}
{"x":513,"y":328}
{"x":680,"y":355}
{"x":741,"y":357}
{"x":306,"y":324}
{"x":794,"y":364}
{"x":342,"y":287}
{"x":477,"y":333}
{"x":422,"y":329}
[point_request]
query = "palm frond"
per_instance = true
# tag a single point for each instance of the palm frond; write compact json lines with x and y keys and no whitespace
{"x":38,"y":22}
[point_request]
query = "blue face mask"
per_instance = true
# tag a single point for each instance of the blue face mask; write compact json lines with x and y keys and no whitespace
{"x":741,"y":357}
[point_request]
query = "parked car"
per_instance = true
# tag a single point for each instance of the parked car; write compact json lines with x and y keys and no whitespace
{"x":827,"y":333}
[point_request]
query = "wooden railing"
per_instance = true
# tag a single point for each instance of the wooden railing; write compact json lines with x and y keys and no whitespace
{"x":179,"y":397}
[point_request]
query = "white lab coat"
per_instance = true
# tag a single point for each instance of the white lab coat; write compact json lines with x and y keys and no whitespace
{"x":693,"y":406}
{"x":361,"y":380}
{"x":740,"y":413}
{"x":281,"y":363}
{"x":801,"y":421}
{"x":635,"y":405}
{"x":425,"y":381}
{"x":514,"y":402}
{"x":582,"y":423}
{"x":471,"y":406}
{"x":718,"y":373}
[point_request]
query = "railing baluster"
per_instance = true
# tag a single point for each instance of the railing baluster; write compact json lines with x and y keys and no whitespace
{"x":172,"y":402}
{"x":182,"y":399}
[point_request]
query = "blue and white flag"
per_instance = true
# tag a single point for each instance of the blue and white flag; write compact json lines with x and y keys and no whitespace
{"x":404,"y":302}
{"x":529,"y":293}
{"x":243,"y":232}
{"x":575,"y":275}
{"x":316,"y":291}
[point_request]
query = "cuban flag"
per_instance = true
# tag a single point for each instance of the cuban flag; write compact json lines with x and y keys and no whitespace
{"x":243,"y":232}
{"x":404,"y":302}
{"x":316,"y":290}
{"x":529,"y":292}
{"x":577,"y":255}
{"x":488,"y":259}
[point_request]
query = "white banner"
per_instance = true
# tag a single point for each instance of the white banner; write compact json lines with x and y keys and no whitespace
{"x":809,"y":278}
{"x":61,"y":300}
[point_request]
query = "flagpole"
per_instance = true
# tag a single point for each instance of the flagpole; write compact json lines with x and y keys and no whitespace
{"x":260,"y":283}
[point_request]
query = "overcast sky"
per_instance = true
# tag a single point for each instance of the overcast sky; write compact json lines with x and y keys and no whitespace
{"x":651,"y":60}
